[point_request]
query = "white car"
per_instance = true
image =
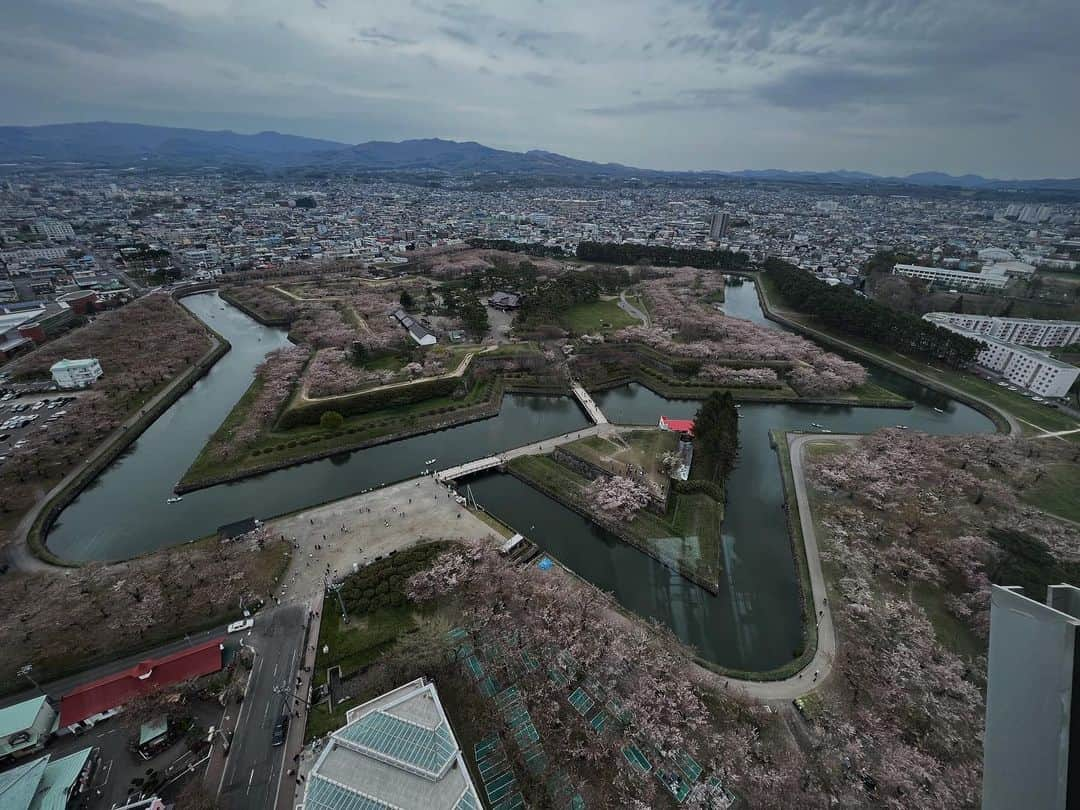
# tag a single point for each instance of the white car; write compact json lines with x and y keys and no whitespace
{"x":242,"y":624}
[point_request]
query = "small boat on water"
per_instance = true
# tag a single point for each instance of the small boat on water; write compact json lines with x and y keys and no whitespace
{"x":174,"y":499}
{"x":938,"y":410}
{"x":902,"y":427}
{"x":431,"y":461}
{"x":816,"y":425}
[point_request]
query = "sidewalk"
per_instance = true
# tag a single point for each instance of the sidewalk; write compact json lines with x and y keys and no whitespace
{"x":291,"y":791}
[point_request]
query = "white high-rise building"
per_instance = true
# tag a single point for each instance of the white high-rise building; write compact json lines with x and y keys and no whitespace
{"x":1030,"y":757}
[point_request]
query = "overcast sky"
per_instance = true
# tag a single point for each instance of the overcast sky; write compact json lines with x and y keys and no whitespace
{"x":984,"y":86}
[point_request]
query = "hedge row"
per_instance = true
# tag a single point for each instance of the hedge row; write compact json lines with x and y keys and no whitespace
{"x":382,"y":584}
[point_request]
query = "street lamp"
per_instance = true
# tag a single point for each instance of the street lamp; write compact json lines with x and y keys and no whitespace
{"x":284,"y":690}
{"x":25,"y":671}
{"x":336,"y":588}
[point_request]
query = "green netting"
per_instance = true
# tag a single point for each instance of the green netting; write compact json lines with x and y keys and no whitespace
{"x":581,"y":701}
{"x":690,"y":769}
{"x":636,"y":758}
{"x":675,"y":784}
{"x":475,"y":667}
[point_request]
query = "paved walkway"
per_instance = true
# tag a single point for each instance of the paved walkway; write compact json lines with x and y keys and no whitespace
{"x":822,"y":662}
{"x":633,"y":311}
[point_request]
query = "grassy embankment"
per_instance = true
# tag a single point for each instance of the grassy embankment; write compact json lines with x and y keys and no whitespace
{"x":1057,"y":492}
{"x":1033,"y":416}
{"x":277,"y":446}
{"x":686,"y":538}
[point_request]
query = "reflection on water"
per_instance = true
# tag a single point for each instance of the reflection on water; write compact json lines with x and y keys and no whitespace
{"x":753,"y":623}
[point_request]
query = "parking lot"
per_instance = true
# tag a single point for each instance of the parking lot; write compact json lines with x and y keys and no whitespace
{"x":22,"y":416}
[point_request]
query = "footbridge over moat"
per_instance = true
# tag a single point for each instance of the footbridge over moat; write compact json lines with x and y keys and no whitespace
{"x":536,"y":448}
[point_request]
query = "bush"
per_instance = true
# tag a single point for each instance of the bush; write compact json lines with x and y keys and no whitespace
{"x":331,"y":420}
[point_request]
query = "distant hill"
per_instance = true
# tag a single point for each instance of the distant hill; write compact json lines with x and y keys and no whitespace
{"x":109,"y":144}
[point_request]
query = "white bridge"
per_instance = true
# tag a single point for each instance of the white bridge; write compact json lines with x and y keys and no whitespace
{"x":591,"y":408}
{"x":536,"y":448}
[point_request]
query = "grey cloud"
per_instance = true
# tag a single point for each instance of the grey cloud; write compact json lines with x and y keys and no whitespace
{"x":687,"y":101}
{"x":373,"y":36}
{"x":137,"y":28}
{"x":831,"y":87}
{"x":457,"y":34}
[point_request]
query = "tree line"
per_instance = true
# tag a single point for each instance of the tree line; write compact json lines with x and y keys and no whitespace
{"x":716,"y":433}
{"x":659,"y":255}
{"x":528,"y":248}
{"x":847,"y":311}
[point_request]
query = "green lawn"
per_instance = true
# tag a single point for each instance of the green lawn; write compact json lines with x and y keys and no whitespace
{"x":1058,"y":491}
{"x":641,"y":448}
{"x":599,"y":316}
{"x":277,"y":446}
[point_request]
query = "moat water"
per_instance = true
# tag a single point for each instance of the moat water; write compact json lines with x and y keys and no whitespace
{"x":753,"y":623}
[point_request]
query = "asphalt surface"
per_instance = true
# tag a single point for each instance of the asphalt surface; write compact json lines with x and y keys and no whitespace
{"x":252,"y":772}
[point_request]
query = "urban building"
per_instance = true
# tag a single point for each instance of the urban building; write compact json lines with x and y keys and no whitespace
{"x":1025,"y":331}
{"x":1027,"y":368}
{"x":26,"y":727}
{"x":1031,"y":752}
{"x":76,"y":373}
{"x":396,"y":750}
{"x":49,"y":784}
{"x":988,"y":279}
{"x":504,"y":300}
{"x":53,"y":229}
{"x":83,"y":707}
{"x":718,"y":225}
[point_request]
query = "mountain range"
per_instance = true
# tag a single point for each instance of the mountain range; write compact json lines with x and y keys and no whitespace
{"x":121,"y":145}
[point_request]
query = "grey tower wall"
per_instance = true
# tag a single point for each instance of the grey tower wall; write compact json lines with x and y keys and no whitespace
{"x":1030,"y":700}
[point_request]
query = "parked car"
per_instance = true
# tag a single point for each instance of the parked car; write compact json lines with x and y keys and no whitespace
{"x":242,"y":624}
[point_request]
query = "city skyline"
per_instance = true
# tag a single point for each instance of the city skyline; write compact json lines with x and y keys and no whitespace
{"x":691,"y":85}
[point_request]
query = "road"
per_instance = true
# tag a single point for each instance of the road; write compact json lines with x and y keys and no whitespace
{"x":252,"y":773}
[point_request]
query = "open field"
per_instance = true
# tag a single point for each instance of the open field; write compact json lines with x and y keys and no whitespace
{"x":1057,"y":492}
{"x":642,"y":449}
{"x":599,"y":316}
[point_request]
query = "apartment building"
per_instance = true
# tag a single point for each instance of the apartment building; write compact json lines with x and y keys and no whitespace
{"x":1027,"y":368}
{"x":988,"y":279}
{"x":1025,"y":331}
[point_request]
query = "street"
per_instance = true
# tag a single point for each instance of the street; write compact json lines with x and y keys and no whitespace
{"x":252,"y":772}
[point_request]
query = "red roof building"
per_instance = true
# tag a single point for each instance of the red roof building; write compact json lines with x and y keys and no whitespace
{"x":677,"y":425}
{"x":148,"y":676}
